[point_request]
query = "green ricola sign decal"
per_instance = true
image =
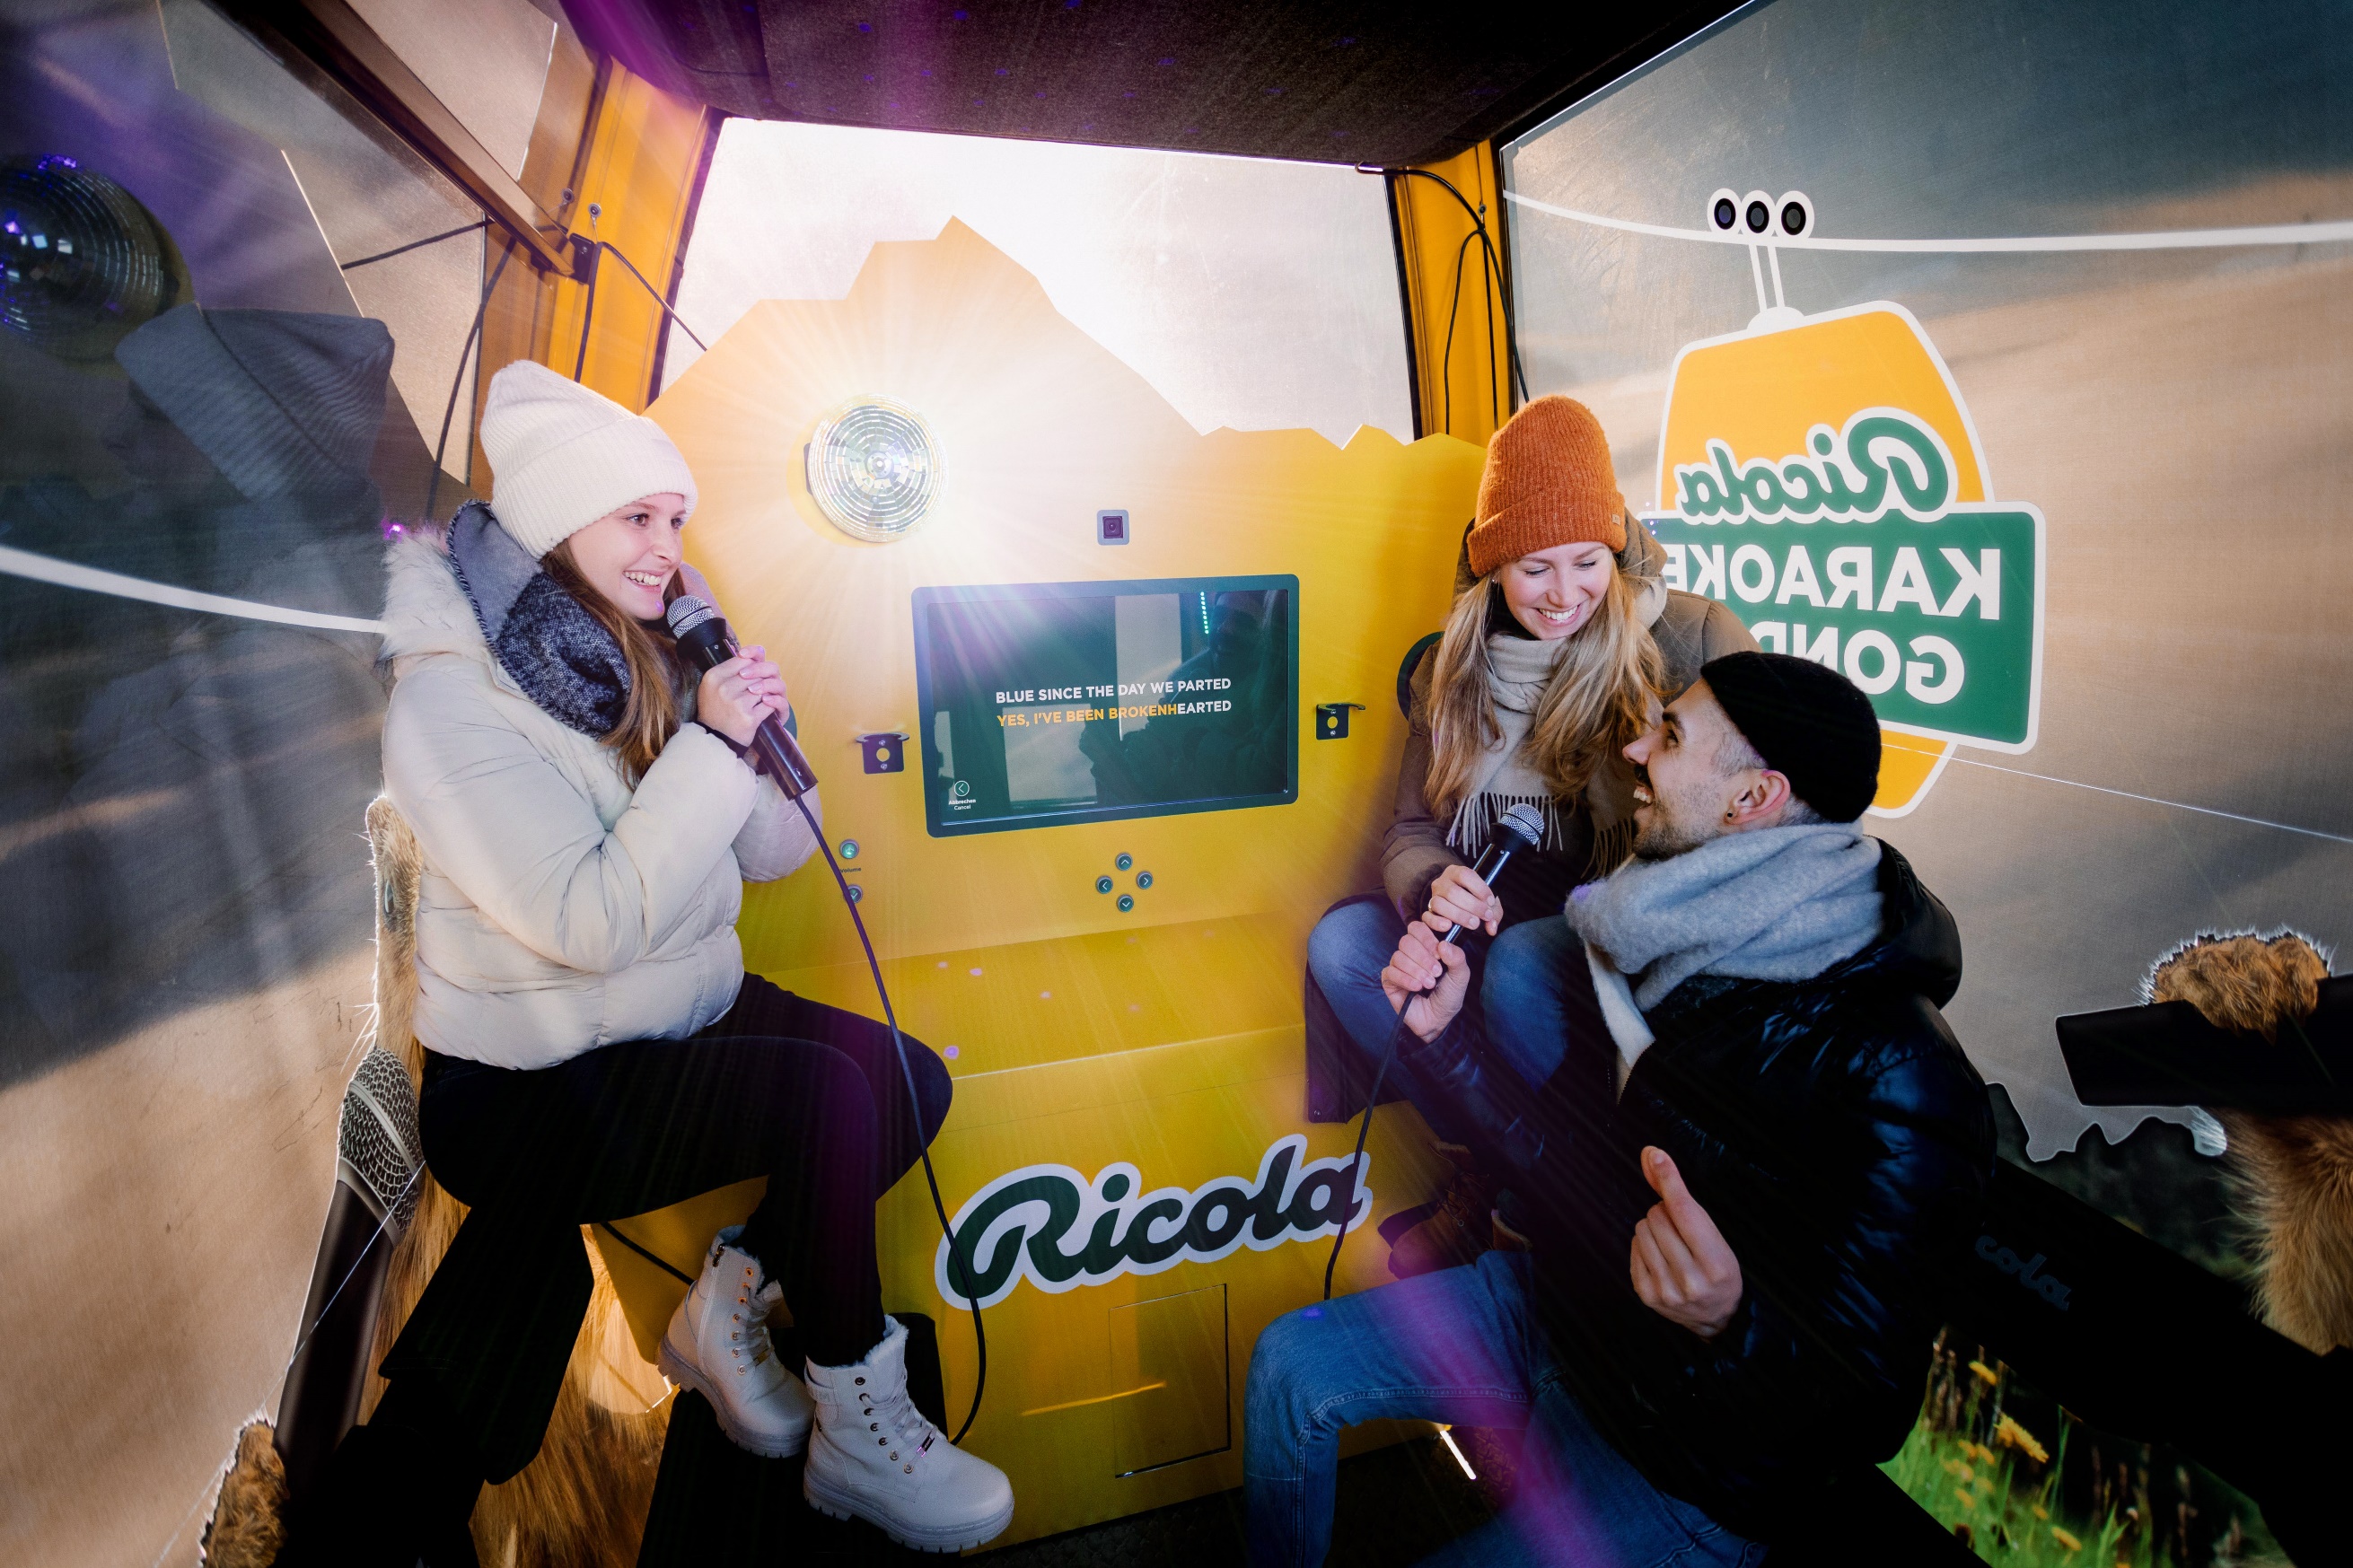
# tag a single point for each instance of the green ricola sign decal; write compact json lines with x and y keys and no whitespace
{"x":1855,"y":554}
{"x":1053,"y":1226}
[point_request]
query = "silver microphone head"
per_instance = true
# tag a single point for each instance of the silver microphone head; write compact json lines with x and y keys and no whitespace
{"x":378,"y":1149}
{"x":686,"y":612}
{"x":1524,"y":824}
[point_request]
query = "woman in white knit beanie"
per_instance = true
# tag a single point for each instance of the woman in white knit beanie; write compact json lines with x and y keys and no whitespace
{"x":594,"y":1050}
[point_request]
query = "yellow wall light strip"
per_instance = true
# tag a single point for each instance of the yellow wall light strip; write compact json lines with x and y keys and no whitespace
{"x":1098,"y":1399}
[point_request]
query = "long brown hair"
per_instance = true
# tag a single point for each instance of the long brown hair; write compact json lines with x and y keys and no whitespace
{"x":649,"y":716}
{"x":1598,"y":701}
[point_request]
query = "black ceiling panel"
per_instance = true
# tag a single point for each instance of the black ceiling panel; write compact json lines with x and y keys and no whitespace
{"x":1323,"y":82}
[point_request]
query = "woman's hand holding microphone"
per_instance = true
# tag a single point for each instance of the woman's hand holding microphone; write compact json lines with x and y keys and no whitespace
{"x":734,"y":697}
{"x":1459,"y":898}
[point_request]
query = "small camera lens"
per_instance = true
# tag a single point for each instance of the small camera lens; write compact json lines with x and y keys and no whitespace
{"x":1727,"y":214}
{"x":1760,"y":218}
{"x":1793,"y":218}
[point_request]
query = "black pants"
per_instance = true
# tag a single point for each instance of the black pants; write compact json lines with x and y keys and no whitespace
{"x":808,"y":1096}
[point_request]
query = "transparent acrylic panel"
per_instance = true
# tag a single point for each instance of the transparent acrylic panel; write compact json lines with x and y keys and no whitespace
{"x":486,"y":59}
{"x":2169,"y":412}
{"x":1251,"y":293}
{"x":195,"y":399}
{"x":371,"y":195}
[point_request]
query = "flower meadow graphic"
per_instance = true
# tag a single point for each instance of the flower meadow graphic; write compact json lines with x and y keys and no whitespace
{"x":2022,"y":1480}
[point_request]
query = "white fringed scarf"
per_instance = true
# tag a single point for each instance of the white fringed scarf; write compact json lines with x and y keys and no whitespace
{"x":1519,"y":669}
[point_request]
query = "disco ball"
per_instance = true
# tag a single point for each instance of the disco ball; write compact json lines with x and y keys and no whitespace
{"x":81,"y":262}
{"x":874,"y":470}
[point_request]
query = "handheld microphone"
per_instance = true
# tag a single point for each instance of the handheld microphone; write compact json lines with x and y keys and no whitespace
{"x":379,"y":1161}
{"x":703,"y":638}
{"x":1520,"y":829}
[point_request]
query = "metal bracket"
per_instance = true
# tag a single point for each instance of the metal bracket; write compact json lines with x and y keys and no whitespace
{"x":886,"y":751}
{"x":1331,"y":720}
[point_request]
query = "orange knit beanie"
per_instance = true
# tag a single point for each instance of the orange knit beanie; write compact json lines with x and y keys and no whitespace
{"x":1548,"y":482}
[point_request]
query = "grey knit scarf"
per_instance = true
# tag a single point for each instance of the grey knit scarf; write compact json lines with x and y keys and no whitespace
{"x":1519,"y":669}
{"x":1780,"y":903}
{"x":563,"y":660}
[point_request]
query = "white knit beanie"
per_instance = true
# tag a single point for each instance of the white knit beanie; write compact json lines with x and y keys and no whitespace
{"x":562,"y":456}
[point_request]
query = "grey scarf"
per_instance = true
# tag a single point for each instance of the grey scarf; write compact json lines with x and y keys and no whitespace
{"x":1518,"y":671}
{"x":1780,"y":903}
{"x":563,"y":660}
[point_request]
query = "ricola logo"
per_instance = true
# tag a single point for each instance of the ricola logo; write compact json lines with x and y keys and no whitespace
{"x":1053,"y":1226}
{"x":2028,"y":1271}
{"x":1820,"y":477}
{"x":1884,"y":458}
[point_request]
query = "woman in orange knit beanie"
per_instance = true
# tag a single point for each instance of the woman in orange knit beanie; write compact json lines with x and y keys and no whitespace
{"x":1562,"y":637}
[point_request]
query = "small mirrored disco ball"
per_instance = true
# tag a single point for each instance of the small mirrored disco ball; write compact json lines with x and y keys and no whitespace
{"x":81,"y":262}
{"x":875,"y":468}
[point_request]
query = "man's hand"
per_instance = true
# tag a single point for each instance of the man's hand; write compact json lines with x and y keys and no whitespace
{"x":1420,"y":963}
{"x":1683,"y":1268}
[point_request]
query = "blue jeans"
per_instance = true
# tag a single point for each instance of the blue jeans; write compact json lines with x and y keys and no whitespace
{"x":1459,"y":1346}
{"x":1519,"y":975}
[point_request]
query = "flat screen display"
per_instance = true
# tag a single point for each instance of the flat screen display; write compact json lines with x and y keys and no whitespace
{"x":1048,"y":704}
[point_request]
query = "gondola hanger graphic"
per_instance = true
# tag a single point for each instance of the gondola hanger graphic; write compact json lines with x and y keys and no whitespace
{"x":1820,"y":476}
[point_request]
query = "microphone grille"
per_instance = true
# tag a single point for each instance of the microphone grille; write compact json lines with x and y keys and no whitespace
{"x":1527,"y":821}
{"x":377,"y":1146}
{"x":686,"y":612}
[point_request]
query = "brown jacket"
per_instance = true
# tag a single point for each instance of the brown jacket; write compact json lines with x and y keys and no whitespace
{"x":1689,"y":631}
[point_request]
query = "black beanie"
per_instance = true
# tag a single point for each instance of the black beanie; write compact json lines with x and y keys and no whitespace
{"x":1810,"y":724}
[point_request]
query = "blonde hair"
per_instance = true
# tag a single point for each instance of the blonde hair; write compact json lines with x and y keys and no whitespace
{"x":649,"y":715}
{"x":1598,"y":700}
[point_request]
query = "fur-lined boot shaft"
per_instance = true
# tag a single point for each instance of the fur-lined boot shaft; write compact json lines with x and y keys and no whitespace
{"x":248,"y":1523}
{"x":2292,"y":1175}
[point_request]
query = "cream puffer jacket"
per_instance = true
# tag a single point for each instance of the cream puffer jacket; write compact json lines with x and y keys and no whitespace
{"x":560,"y":910}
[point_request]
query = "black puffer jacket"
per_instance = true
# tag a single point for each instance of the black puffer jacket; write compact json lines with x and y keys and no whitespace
{"x":1842,"y":1143}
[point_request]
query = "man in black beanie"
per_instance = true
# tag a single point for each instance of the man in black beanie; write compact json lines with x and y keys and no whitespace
{"x":1759,"y":1154}
{"x":1794,"y":742}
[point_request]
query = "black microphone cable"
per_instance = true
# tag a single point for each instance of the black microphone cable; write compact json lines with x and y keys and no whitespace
{"x":703,"y":637}
{"x":957,"y":1259}
{"x":1521,"y":828}
{"x":1356,"y":1164}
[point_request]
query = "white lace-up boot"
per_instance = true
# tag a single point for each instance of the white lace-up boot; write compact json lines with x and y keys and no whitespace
{"x":717,"y":1345}
{"x":876,"y":1455}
